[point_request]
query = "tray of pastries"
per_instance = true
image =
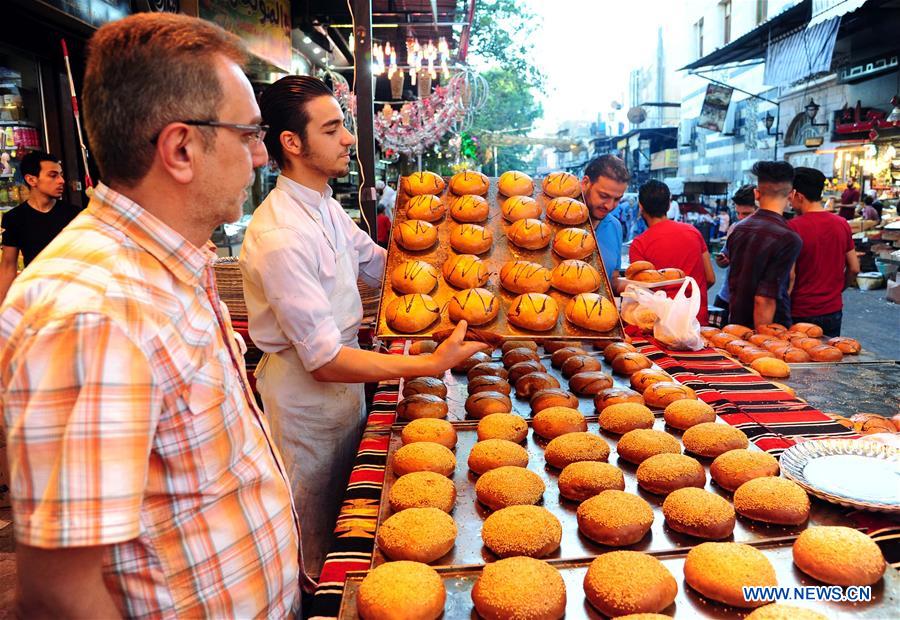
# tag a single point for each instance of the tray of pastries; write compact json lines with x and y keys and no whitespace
{"x":511,"y":258}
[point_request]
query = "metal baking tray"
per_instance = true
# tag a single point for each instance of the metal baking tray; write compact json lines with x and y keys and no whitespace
{"x":459,"y":581}
{"x":469,"y":514}
{"x":501,"y":252}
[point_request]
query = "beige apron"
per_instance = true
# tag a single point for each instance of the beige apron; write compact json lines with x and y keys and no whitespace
{"x":317,"y":425}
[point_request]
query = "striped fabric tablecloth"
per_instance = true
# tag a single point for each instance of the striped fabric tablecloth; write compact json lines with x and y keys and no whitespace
{"x":772,"y":419}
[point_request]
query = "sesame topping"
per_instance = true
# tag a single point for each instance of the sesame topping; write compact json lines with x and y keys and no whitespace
{"x":522,"y":530}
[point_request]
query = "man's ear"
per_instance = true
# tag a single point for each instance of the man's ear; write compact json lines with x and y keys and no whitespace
{"x":31,"y":180}
{"x":177,"y":149}
{"x":291,"y":143}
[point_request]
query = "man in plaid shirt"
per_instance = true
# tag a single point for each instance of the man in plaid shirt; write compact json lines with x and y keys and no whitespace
{"x":144,"y":479}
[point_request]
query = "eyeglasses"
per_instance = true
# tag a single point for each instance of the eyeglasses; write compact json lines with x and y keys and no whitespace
{"x":254,"y":133}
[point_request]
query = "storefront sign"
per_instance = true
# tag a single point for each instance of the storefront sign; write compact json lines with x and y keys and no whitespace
{"x":662,"y":160}
{"x":263,"y":25}
{"x":715,"y":107}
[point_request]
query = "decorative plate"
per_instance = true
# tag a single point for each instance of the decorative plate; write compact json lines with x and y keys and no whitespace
{"x":849,"y":472}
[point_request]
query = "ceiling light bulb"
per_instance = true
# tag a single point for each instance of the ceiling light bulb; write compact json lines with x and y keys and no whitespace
{"x":316,"y":50}
{"x":307,"y":40}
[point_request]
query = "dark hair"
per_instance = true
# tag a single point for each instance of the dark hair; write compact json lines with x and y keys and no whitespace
{"x":379,"y":209}
{"x":654,"y":197}
{"x":608,"y":166}
{"x":868,"y":199}
{"x":809,"y":182}
{"x":744,"y":196}
{"x":31,"y":163}
{"x":775,"y":177}
{"x":283,"y":108}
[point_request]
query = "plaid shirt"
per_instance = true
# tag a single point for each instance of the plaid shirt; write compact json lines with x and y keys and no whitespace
{"x":130,"y":423}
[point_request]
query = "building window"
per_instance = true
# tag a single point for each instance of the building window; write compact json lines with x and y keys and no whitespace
{"x":726,"y":19}
{"x":698,"y":31}
{"x":762,"y":11}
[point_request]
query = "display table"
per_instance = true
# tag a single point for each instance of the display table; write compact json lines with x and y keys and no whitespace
{"x":770,"y":417}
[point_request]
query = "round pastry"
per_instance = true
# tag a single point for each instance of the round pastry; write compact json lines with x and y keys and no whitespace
{"x":627,"y":582}
{"x":424,"y":182}
{"x":425,"y":385}
{"x":685,"y":413}
{"x":429,"y":429}
{"x":636,"y":267}
{"x":425,"y":207}
{"x":481,"y":404}
{"x":532,"y":383}
{"x":561,"y":184}
{"x":630,"y":363}
{"x":772,"y":329}
{"x":470,"y":208}
{"x":615,"y":395}
{"x":552,"y":397}
{"x":806,"y":343}
{"x":414,"y":276}
{"x":415,"y":235}
{"x":517,"y":371}
{"x":511,"y":357}
{"x":733,"y":468}
{"x":795,"y":355}
{"x":414,"y":587}
{"x":515,"y":183}
{"x":567,"y":211}
{"x":738,"y":330}
{"x":711,"y":439}
{"x":777,"y":347}
{"x":469,"y":182}
{"x":592,"y":311}
{"x":646,"y":377}
{"x":489,"y":383}
{"x":721,"y":339}
{"x":517,"y":344}
{"x":574,"y":243}
{"x":493,"y":453}
{"x":465,"y":271}
{"x":699,"y":513}
{"x":469,"y":363}
{"x":825,"y":353}
{"x":720,"y":571}
{"x":664,"y":393}
{"x":640,"y":444}
{"x":552,"y":422}
{"x":412,"y":313}
{"x":558,"y":357}
{"x":771,"y":367}
{"x":422,"y":406}
{"x":487,"y":368}
{"x":533,"y":311}
{"x":778,"y":611}
{"x":575,"y":276}
{"x":476,"y":306}
{"x":509,"y":486}
{"x":520,"y":208}
{"x":423,"y":456}
{"x":519,"y":587}
{"x":579,"y":363}
{"x":506,"y":426}
{"x":522,"y":276}
{"x":667,"y":472}
{"x":750,"y":354}
{"x":735,"y":346}
{"x":612,"y":351}
{"x":530,"y":234}
{"x":417,"y":535}
{"x":648,"y":275}
{"x":810,"y":329}
{"x":471,"y":239}
{"x":762,"y":340}
{"x":671,"y":273}
{"x":574,"y":447}
{"x":552,"y":346}
{"x":839,"y":556}
{"x":422,"y":489}
{"x":708,"y":330}
{"x":584,"y":479}
{"x":614,"y":518}
{"x":848,"y":346}
{"x":530,"y":531}
{"x":772,"y":500}
{"x":590,"y":383}
{"x":623,"y":417}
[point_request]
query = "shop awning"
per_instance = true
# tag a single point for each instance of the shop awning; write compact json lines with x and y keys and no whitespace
{"x":833,"y":8}
{"x":801,"y":54}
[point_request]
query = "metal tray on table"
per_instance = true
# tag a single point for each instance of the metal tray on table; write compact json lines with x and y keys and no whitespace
{"x":459,"y":581}
{"x":501,"y":252}
{"x":469,"y":513}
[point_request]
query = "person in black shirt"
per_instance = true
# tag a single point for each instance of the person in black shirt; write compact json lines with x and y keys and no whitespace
{"x":31,"y":226}
{"x":763,"y":250}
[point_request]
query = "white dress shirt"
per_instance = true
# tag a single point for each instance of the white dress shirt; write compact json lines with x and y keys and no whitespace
{"x":289,"y":270}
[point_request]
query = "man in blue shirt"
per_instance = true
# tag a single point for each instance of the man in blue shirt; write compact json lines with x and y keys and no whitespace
{"x":603,"y":185}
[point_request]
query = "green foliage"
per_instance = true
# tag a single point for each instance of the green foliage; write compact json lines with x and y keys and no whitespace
{"x":502,"y":31}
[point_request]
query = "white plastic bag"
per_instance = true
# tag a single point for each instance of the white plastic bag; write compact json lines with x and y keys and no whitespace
{"x":676,"y":324}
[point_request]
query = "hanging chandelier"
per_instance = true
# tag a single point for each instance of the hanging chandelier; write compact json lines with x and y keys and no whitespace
{"x":428,"y":58}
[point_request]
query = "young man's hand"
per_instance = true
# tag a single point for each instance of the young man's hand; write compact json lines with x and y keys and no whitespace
{"x":456,"y":349}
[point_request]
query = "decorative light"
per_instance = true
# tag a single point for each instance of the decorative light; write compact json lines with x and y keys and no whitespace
{"x":812,"y":109}
{"x":428,"y":57}
{"x":307,"y":40}
{"x":894,"y":116}
{"x":316,"y":50}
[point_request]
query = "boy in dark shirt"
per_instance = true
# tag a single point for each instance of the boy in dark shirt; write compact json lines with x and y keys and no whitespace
{"x":763,"y":250}
{"x":31,"y":226}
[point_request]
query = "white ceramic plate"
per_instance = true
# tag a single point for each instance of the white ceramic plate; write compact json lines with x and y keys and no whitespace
{"x":849,"y":472}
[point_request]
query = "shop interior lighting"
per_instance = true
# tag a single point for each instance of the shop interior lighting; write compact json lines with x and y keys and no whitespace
{"x":430,"y":57}
{"x":894,"y":116}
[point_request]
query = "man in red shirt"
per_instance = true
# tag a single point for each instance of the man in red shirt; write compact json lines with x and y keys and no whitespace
{"x":672,"y":244}
{"x":382,"y":227}
{"x":827,"y":263}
